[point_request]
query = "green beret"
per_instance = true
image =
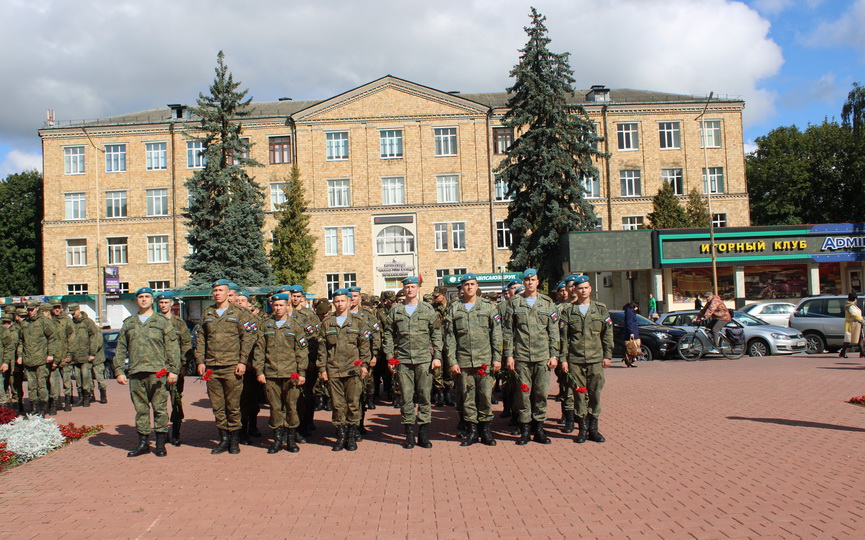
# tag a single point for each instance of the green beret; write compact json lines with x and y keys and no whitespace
{"x":73,"y":307}
{"x":44,"y":306}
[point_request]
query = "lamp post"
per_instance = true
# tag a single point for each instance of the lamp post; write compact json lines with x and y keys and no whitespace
{"x":708,"y":192}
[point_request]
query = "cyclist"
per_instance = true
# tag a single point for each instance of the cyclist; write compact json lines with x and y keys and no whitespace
{"x":717,"y":311}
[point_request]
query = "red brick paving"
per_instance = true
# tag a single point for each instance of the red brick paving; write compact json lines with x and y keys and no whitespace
{"x":757,"y":447}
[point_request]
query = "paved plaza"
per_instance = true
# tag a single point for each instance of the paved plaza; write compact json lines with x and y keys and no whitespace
{"x":756,"y":447}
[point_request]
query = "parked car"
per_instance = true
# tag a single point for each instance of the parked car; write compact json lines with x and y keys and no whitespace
{"x":821,"y":320}
{"x":774,"y":313}
{"x":657,"y":341}
{"x":761,"y":338}
{"x":109,"y":346}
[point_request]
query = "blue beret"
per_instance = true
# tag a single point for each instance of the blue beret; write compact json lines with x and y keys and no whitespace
{"x":520,"y":289}
{"x":144,"y":290}
{"x":529,"y":272}
{"x":233,"y":286}
{"x":410,"y":279}
{"x":354,"y":288}
{"x":341,"y":292}
{"x":571,"y":278}
{"x":582,"y":279}
{"x":283,"y":288}
{"x":219,"y":282}
{"x":296,"y":288}
{"x":244,"y":293}
{"x":513,"y":282}
{"x":560,"y":286}
{"x":279,"y":296}
{"x":165,"y":295}
{"x":468,"y":277}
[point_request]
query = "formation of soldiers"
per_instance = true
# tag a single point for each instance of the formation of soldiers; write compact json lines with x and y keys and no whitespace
{"x":338,"y":355}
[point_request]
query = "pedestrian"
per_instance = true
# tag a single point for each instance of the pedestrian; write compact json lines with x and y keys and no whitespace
{"x":653,"y":307}
{"x":150,"y":342}
{"x":86,"y":344}
{"x":852,"y":326}
{"x":165,"y":304}
{"x":632,"y":330}
{"x":39,"y":340}
{"x":17,"y":379}
{"x":587,"y":349}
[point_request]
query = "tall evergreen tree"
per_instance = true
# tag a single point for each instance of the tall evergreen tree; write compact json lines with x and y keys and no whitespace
{"x":697,"y":210}
{"x":226,"y":208}
{"x":546,"y":166}
{"x":21,"y":234}
{"x":666,"y":213}
{"x":293,"y":252}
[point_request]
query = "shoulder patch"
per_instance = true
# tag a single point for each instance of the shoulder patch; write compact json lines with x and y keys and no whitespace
{"x":497,"y":318}
{"x":367,"y":334}
{"x":608,"y":320}
{"x":554,"y":316}
{"x":250,"y":326}
{"x":303,"y":343}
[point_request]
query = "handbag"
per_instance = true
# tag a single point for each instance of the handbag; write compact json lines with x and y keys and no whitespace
{"x":633,"y":348}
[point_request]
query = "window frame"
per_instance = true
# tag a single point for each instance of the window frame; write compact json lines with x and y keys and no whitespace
{"x":628,"y":136}
{"x":331,"y":241}
{"x":155,"y":155}
{"x":716,"y":129}
{"x":446,"y":141}
{"x":110,"y":204}
{"x":680,"y":183}
{"x":347,"y":240}
{"x":195,"y":158}
{"x":159,"y":285}
{"x":670,"y":137}
{"x":639,"y":221}
{"x":151,"y":201}
{"x":392,"y":189}
{"x":279,"y":149}
{"x":631,"y":180}
{"x":74,"y":162}
{"x":501,"y":189}
{"x":331,"y":282}
{"x":78,"y":251}
{"x":277,"y":188}
{"x":75,"y":289}
{"x":590,"y":182}
{"x":75,"y":204}
{"x":719,"y":219}
{"x":458,"y":236}
{"x":503,"y":138}
{"x":504,"y":238}
{"x":443,"y":190}
{"x":440,"y":235}
{"x":335,"y":193}
{"x":385,"y":144}
{"x":111,"y":256}
{"x":115,"y":158}
{"x":336,"y":147}
{"x":714,"y":175}
{"x":409,"y":242}
{"x":157,"y":248}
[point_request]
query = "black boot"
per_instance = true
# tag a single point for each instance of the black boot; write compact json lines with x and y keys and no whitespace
{"x":340,"y":438}
{"x":351,"y":439}
{"x":103,"y":395}
{"x":85,"y":401}
{"x":486,"y":434}
{"x":243,"y":433}
{"x":78,"y":401}
{"x":569,"y":422}
{"x":540,"y":436}
{"x":278,"y":434}
{"x":438,"y":397}
{"x":67,"y":404}
{"x":524,"y":435}
{"x":370,"y":402}
{"x":161,"y":438}
{"x":593,"y":430}
{"x":581,"y":434}
{"x":408,"y":443}
{"x":319,"y":403}
{"x":252,"y":427}
{"x":142,"y":448}
{"x":234,"y":442}
{"x":471,"y":435}
{"x":361,"y":430}
{"x":43,"y":408}
{"x":423,"y":436}
{"x":298,"y":437}
{"x":397,"y":402}
{"x":175,"y":432}
{"x":462,"y":428}
{"x":52,"y":407}
{"x":327,"y":405}
{"x":290,"y":438}
{"x":223,"y":442}
{"x":843,"y":353}
{"x":447,"y":396}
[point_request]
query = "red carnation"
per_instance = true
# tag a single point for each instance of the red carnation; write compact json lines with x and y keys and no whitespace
{"x":294,"y":376}
{"x":161,"y":373}
{"x":358,"y":362}
{"x":482,"y":370}
{"x":393,"y":361}
{"x":581,"y":389}
{"x":525,"y":388}
{"x":207,"y":374}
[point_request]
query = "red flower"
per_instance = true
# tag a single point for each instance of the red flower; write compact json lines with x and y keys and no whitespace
{"x":484,"y":367}
{"x":161,"y":373}
{"x":525,"y":388}
{"x":581,"y":389}
{"x":482,"y":373}
{"x":393,"y":361}
{"x":358,"y":362}
{"x":294,"y":376}
{"x":207,"y":374}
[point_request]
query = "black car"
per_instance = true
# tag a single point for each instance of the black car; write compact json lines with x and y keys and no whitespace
{"x":109,"y":345}
{"x":657,"y":341}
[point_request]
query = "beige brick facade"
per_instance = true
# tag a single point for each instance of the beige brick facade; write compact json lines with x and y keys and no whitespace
{"x":440,"y":194}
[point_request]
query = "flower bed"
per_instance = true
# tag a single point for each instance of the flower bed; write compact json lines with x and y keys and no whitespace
{"x":25,"y":438}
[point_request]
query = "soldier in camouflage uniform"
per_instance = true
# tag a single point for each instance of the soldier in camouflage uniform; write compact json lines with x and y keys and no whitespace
{"x":372,"y":323}
{"x":566,"y":398}
{"x":506,"y":376}
{"x":85,"y":345}
{"x":61,"y":376}
{"x":165,"y":303}
{"x":7,"y":359}
{"x":16,"y":384}
{"x":531,"y":338}
{"x":39,"y":338}
{"x":150,"y":342}
{"x":382,"y":375}
{"x":320,"y":391}
{"x":308,"y":321}
{"x":253,"y":392}
{"x":587,"y":349}
{"x":442,"y":380}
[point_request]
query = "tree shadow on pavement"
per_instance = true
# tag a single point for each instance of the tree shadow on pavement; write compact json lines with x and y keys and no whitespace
{"x":799,"y":423}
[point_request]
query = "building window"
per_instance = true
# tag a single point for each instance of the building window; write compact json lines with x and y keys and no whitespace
{"x":503,"y":138}
{"x":277,"y":194}
{"x":715,"y":181}
{"x":115,"y":158}
{"x":391,"y":143}
{"x":630,"y":183}
{"x":337,"y":145}
{"x":338,"y":193}
{"x":592,"y":185}
{"x":441,"y":236}
{"x":440,"y":274}
{"x":76,"y":252}
{"x":719,"y":220}
{"x":330,"y":241}
{"x":159,"y":286}
{"x":448,"y":188}
{"x":332,"y":281}
{"x":502,"y":189}
{"x":460,"y":271}
{"x":76,"y":205}
{"x":73,"y":160}
{"x":155,"y":156}
{"x":157,"y":249}
{"x":446,"y":141}
{"x":76,"y":288}
{"x":712,"y":136}
{"x":394,"y":239}
{"x":115,"y":204}
{"x":393,"y":190}
{"x":117,"y":251}
{"x":628,"y":136}
{"x":348,"y":240}
{"x":238,"y":156}
{"x":599,"y":225}
{"x":124,"y":287}
{"x":675,"y":178}
{"x":280,"y":149}
{"x":503,"y":235}
{"x":632,"y":223}
{"x":458,"y":235}
{"x":671,"y":135}
{"x":157,"y":202}
{"x":195,"y":155}
{"x":349,"y":280}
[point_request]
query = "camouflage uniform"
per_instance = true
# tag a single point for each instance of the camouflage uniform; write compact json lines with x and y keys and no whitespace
{"x":175,"y":391}
{"x":85,"y":345}
{"x":7,"y":358}
{"x":61,"y":375}
{"x":308,"y":321}
{"x":39,"y":338}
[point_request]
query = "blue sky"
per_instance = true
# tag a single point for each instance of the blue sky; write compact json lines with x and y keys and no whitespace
{"x":792,"y":61}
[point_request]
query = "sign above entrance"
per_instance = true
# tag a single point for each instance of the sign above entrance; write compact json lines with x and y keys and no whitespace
{"x":395,"y":268}
{"x":454,"y":279}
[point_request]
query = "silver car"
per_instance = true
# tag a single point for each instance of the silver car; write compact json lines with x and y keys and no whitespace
{"x":774,"y":313}
{"x":761,"y":338}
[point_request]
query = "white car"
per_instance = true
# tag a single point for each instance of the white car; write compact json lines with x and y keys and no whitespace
{"x":774,"y":313}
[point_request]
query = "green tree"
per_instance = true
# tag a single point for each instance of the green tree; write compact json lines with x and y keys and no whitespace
{"x":853,"y":111}
{"x":666,"y":213}
{"x":226,"y":208}
{"x":546,"y":166}
{"x":21,"y":234}
{"x":293,"y":252}
{"x":697,"y":210}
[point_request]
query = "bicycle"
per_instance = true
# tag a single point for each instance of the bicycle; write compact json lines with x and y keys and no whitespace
{"x":691,"y":347}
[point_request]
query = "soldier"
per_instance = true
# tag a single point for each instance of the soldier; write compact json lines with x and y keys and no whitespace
{"x":507,"y":377}
{"x":308,"y":321}
{"x":412,"y":337}
{"x":253,"y":393}
{"x":39,"y":338}
{"x":165,"y":303}
{"x":281,"y":363}
{"x":98,"y":370}
{"x":371,"y":321}
{"x":17,"y":368}
{"x":564,"y":297}
{"x":343,"y":363}
{"x":320,"y":390}
{"x":85,"y":345}
{"x":587,"y":345}
{"x":473,"y":337}
{"x":531,"y":337}
{"x":442,"y":380}
{"x":7,"y":359}
{"x":381,"y":374}
{"x":223,"y":345}
{"x":150,"y":342}
{"x":61,"y":376}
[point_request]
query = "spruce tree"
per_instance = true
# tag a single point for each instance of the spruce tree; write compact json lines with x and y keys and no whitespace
{"x":293,"y":252}
{"x":666,"y":213}
{"x":546,"y":166}
{"x":697,"y":210}
{"x":21,"y":234}
{"x":226,"y":207}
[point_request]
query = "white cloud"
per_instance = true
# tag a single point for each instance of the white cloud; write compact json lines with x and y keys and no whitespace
{"x":17,"y":161}
{"x":775,"y":7}
{"x":845,"y":31}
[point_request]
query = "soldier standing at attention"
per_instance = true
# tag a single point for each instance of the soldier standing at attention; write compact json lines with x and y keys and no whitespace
{"x":223,"y":345}
{"x":531,"y":337}
{"x":253,"y":392}
{"x":86,"y":344}
{"x":281,"y":363}
{"x":61,"y":377}
{"x":150,"y":342}
{"x":17,"y":367}
{"x":343,"y":363}
{"x":39,"y":339}
{"x":412,"y":335}
{"x":473,"y":337}
{"x":7,"y":359}
{"x":565,"y":395}
{"x":442,"y":380}
{"x":308,"y":321}
{"x":165,"y":303}
{"x":382,"y":377}
{"x":587,"y":345}
{"x":371,"y":321}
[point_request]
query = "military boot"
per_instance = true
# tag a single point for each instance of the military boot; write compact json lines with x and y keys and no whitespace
{"x":540,"y":435}
{"x":462,"y":427}
{"x":447,"y":397}
{"x":327,"y":405}
{"x":223,"y":442}
{"x":85,"y":401}
{"x":409,"y":437}
{"x":341,"y":432}
{"x":175,"y":432}
{"x":569,"y":422}
{"x":351,"y":439}
{"x":79,"y":399}
{"x":593,"y":430}
{"x":278,"y":434}
{"x":43,"y":408}
{"x":423,"y":436}
{"x":524,"y":435}
{"x":143,"y":446}
{"x":471,"y":434}
{"x":243,"y":433}
{"x":161,"y":438}
{"x":370,"y":402}
{"x":234,"y":442}
{"x":67,"y":404}
{"x":52,"y":407}
{"x":487,"y":434}
{"x":103,"y":395}
{"x":506,"y":403}
{"x":290,"y":438}
{"x":319,"y":403}
{"x":581,"y":433}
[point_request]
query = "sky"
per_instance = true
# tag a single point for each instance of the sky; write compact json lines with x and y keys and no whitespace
{"x":792,"y":61}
